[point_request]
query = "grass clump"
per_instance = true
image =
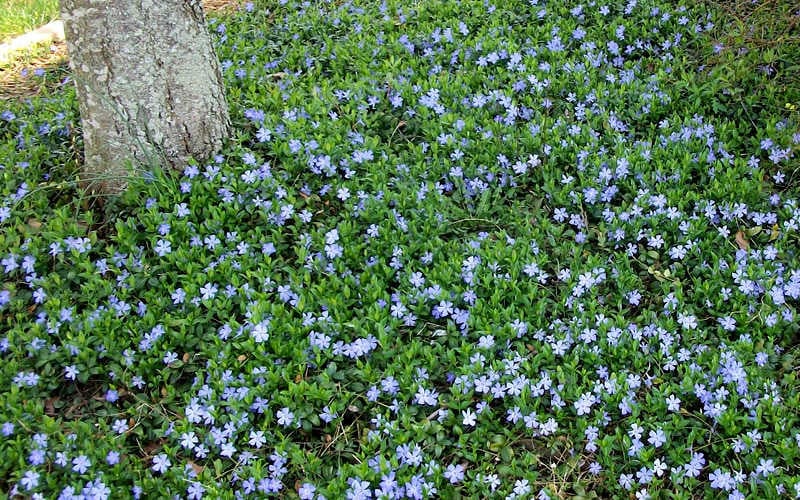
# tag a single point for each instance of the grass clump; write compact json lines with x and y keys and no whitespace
{"x":455,"y":249}
{"x":20,"y":16}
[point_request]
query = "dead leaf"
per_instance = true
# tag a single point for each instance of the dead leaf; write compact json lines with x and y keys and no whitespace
{"x":49,"y":407}
{"x":198,"y":469}
{"x":151,"y":447}
{"x":774,"y":233}
{"x":741,"y":241}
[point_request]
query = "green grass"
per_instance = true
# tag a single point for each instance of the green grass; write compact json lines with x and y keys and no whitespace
{"x":20,"y":16}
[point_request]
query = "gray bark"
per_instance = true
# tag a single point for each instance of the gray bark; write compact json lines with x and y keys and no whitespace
{"x":149,"y":86}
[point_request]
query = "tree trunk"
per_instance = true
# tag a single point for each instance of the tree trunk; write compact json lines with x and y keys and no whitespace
{"x":149,"y":86}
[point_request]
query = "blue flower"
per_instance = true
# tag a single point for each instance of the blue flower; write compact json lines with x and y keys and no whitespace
{"x":306,"y":491}
{"x":112,"y":458}
{"x":30,"y":480}
{"x":161,"y":463}
{"x":81,"y":464}
{"x":285,"y":417}
{"x":195,"y":491}
{"x":454,"y":473}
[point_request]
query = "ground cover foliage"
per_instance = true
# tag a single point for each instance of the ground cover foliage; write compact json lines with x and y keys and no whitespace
{"x":515,"y":250}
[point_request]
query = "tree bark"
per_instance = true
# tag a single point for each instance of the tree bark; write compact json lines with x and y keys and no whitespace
{"x":149,"y":86}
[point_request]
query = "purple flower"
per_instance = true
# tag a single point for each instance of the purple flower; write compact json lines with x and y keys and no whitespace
{"x":36,"y":457}
{"x":195,"y":491}
{"x":30,"y":480}
{"x":720,"y":479}
{"x":162,"y":248}
{"x":112,"y":458}
{"x":425,"y":396}
{"x":454,"y":473}
{"x":285,"y":417}
{"x":7,"y":429}
{"x":695,"y":465}
{"x":81,"y":464}
{"x":306,"y":491}
{"x":112,"y":395}
{"x":161,"y":463}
